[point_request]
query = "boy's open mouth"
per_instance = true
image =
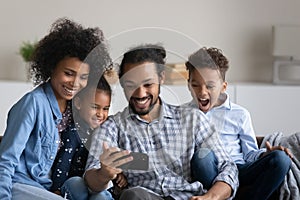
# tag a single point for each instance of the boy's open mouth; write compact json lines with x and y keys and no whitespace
{"x":204,"y":102}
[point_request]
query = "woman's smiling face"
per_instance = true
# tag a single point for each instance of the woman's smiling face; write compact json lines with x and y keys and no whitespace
{"x":69,"y":77}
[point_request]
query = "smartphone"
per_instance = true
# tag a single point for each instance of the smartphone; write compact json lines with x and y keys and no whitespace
{"x":140,"y":162}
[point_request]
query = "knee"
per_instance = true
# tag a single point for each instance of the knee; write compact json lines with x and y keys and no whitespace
{"x":130,"y":193}
{"x":134,"y":194}
{"x":104,"y":195}
{"x":74,"y":182}
{"x":202,"y":153}
{"x":280,"y":160}
{"x":75,"y":188}
{"x":203,"y":156}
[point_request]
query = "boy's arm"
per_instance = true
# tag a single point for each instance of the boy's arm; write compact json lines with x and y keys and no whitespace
{"x":248,"y":140}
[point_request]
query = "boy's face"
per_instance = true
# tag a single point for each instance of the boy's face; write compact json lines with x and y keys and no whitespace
{"x":141,"y":85}
{"x":93,"y":108}
{"x":206,"y":86}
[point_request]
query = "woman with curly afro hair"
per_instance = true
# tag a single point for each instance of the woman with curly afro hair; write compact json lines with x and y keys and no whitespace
{"x":63,"y":63}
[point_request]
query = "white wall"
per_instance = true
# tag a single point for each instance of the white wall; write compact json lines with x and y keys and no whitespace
{"x":11,"y":92}
{"x":241,"y":28}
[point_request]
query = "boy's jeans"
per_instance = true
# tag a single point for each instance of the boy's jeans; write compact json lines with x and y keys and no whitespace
{"x":75,"y":189}
{"x":258,"y":179}
{"x":204,"y":165}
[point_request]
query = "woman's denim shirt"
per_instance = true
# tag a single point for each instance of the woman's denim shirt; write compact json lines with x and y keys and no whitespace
{"x":30,"y":141}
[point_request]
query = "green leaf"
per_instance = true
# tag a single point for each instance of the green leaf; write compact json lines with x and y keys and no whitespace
{"x":26,"y":50}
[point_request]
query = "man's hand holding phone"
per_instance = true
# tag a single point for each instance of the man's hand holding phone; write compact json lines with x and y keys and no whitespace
{"x":111,"y":159}
{"x":114,"y":161}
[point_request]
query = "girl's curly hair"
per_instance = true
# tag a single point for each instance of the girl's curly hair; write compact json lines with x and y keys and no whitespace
{"x":69,"y":39}
{"x":208,"y":57}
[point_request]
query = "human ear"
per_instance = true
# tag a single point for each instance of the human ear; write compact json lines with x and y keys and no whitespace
{"x":162,"y":77}
{"x":224,"y":86}
{"x":77,"y":103}
{"x":189,"y":85}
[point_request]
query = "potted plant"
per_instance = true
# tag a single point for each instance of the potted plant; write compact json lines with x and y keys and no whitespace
{"x":26,"y":51}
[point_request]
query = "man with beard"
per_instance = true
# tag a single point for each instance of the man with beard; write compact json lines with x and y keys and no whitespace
{"x":169,"y":135}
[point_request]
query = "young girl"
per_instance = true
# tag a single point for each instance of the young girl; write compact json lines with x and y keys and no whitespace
{"x":32,"y":136}
{"x":90,"y":110}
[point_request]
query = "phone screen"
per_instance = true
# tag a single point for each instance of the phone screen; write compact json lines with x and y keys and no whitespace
{"x":140,"y":162}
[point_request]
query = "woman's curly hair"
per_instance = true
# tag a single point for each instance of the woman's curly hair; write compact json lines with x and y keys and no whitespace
{"x":208,"y":57}
{"x":69,"y":39}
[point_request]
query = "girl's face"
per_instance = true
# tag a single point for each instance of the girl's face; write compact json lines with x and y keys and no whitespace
{"x":206,"y":86}
{"x":69,"y":77}
{"x":93,"y":107}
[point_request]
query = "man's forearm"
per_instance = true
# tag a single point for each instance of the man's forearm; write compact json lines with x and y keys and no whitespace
{"x":220,"y":190}
{"x":96,"y":180}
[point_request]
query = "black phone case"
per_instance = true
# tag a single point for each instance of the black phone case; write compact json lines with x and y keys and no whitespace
{"x":140,"y":162}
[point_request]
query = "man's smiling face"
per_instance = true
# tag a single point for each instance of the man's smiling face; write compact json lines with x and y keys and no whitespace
{"x":141,"y":85}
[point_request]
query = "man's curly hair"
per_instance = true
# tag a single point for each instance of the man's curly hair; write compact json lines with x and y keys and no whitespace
{"x":69,"y":39}
{"x":208,"y":57}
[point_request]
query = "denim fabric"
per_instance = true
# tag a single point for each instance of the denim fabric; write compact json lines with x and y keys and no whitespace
{"x":28,"y":192}
{"x":76,"y":189}
{"x":30,"y":141}
{"x":204,"y":166}
{"x":259,"y":179}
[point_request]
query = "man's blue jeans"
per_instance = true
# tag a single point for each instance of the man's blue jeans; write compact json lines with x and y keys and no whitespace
{"x":75,"y":189}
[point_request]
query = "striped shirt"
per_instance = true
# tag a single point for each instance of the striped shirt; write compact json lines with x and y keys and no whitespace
{"x":170,"y":142}
{"x":234,"y":125}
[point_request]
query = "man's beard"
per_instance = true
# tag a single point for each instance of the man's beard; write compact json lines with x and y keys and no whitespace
{"x":147,"y":110}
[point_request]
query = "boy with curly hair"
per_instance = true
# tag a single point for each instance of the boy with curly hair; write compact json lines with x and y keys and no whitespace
{"x":261,"y":171}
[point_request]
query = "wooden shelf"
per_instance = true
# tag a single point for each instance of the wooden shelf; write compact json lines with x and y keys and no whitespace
{"x":176,"y":73}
